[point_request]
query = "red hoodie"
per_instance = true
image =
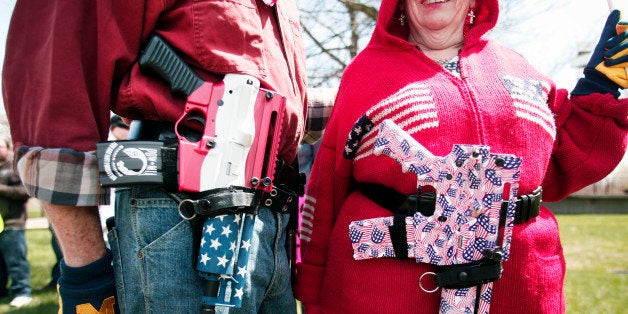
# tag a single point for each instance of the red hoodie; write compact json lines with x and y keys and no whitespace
{"x":500,"y":101}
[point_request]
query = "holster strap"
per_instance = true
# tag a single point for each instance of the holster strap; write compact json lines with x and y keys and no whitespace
{"x":470,"y":274}
{"x":215,"y":202}
{"x":527,"y":206}
{"x":280,"y":199}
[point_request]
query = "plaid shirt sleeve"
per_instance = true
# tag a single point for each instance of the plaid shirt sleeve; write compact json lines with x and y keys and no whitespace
{"x":319,"y":105}
{"x":61,"y":176}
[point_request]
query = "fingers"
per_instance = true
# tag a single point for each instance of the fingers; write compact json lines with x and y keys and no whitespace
{"x":610,"y":30}
{"x":616,"y":50}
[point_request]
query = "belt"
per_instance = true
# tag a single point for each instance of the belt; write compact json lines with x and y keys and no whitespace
{"x":527,"y":206}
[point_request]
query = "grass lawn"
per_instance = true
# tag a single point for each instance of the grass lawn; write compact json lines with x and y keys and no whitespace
{"x":597,"y":262}
{"x":595,"y":249}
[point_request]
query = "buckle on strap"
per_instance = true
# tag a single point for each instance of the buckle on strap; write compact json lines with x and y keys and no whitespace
{"x":527,"y":207}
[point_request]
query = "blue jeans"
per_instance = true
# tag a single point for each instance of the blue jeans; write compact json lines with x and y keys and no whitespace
{"x":154,"y":262}
{"x":13,"y":249}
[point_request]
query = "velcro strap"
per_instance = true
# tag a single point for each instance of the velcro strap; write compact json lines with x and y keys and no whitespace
{"x":399,"y":203}
{"x":469,"y":275}
{"x":398,"y":236}
{"x":221,"y":201}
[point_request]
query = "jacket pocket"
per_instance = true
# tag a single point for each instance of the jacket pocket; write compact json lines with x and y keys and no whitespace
{"x":228,"y":36}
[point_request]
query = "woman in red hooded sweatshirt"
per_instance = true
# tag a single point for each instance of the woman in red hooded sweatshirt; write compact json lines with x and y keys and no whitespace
{"x":429,"y":70}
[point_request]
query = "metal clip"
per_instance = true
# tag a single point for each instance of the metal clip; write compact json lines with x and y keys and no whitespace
{"x":421,"y":282}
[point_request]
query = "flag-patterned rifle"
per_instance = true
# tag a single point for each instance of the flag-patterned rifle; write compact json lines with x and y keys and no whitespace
{"x":474,"y":190}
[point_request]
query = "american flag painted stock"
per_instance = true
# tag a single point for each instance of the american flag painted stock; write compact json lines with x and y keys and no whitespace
{"x":223,"y":256}
{"x":470,"y":184}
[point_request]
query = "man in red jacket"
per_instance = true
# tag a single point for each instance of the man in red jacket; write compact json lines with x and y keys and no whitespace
{"x":67,"y":65}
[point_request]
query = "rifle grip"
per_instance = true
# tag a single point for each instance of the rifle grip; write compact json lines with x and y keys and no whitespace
{"x":159,"y":58}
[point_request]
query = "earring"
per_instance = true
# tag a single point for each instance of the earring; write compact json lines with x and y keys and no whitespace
{"x":402,"y":19}
{"x":471,"y":16}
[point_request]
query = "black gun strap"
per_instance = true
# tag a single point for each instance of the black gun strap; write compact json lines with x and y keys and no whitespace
{"x":197,"y":207}
{"x":527,"y":206}
{"x":215,"y":202}
{"x":398,"y":236}
{"x":467,"y":275}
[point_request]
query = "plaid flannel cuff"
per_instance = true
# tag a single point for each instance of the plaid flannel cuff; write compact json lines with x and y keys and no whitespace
{"x":320,"y":104}
{"x":61,"y":176}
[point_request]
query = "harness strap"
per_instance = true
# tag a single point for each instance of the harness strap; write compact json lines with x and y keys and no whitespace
{"x":280,"y":199}
{"x":467,"y":275}
{"x":398,"y":236}
{"x":215,"y":202}
{"x":527,"y":206}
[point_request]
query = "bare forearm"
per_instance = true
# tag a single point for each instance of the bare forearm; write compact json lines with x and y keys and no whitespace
{"x":78,"y":231}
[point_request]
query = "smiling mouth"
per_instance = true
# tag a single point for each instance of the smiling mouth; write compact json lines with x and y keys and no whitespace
{"x":434,"y":1}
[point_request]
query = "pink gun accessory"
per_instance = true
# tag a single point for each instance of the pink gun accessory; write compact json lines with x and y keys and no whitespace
{"x":471,"y":185}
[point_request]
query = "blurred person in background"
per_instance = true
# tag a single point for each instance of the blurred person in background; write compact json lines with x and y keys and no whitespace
{"x":13,"y":198}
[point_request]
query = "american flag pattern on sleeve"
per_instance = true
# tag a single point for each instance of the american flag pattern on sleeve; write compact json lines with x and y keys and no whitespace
{"x":470,"y":185}
{"x":320,"y":102}
{"x":413,"y":108}
{"x":529,"y":98}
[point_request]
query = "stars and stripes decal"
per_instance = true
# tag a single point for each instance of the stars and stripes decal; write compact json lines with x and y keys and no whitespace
{"x":224,"y":254}
{"x":530,"y":101}
{"x":307,"y":216}
{"x":466,"y":219}
{"x":412,"y":107}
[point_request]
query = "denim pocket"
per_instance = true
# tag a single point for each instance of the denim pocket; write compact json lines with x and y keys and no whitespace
{"x":155,"y":262}
{"x":153,"y":215}
{"x":168,"y":264}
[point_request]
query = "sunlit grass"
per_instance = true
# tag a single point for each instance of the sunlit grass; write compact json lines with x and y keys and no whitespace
{"x":597,"y":262}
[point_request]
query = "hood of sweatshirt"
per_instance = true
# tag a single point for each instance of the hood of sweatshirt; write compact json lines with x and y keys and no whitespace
{"x":390,"y":34}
